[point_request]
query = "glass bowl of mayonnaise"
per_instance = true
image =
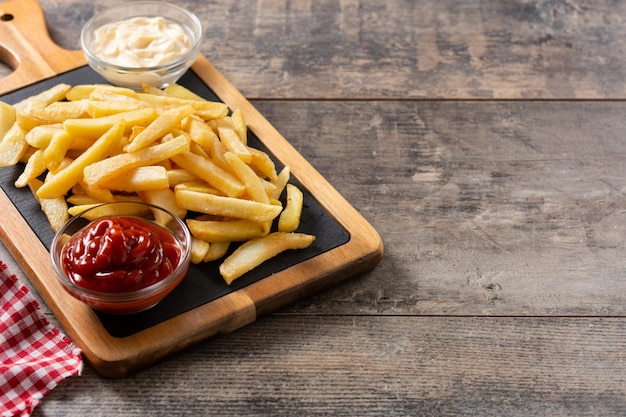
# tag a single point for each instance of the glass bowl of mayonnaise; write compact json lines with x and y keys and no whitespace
{"x":142,"y":42}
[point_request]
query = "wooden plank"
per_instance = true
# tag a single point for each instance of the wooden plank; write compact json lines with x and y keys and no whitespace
{"x":399,"y":49}
{"x":486,"y":208}
{"x":373,"y":366}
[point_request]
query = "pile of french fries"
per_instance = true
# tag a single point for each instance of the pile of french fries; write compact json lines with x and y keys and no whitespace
{"x":96,"y":143}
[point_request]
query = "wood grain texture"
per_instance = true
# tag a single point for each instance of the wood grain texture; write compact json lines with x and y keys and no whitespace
{"x":402,"y":48}
{"x":373,"y":366}
{"x":501,"y":292}
{"x":485,"y":208}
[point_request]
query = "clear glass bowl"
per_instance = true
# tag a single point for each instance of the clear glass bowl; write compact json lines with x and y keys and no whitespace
{"x":130,"y":301}
{"x":157,"y":76}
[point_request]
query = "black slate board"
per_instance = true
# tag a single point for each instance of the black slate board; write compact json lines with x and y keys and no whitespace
{"x":203,"y":283}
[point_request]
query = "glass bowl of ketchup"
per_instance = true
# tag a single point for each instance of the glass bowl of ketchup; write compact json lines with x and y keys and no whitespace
{"x":142,"y":42}
{"x":121,"y":257}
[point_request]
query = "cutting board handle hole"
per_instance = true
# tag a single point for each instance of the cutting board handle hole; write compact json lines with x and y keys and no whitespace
{"x":8,"y":62}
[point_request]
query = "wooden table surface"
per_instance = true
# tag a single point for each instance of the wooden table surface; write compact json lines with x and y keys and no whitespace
{"x":485,"y":141}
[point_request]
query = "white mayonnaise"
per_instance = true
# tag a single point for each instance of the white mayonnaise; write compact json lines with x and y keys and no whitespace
{"x":140,"y":42}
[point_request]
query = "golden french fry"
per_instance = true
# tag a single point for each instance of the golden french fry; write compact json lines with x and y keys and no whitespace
{"x":280,"y":182}
{"x":206,"y":169}
{"x":100,"y":108}
{"x":289,"y":219}
{"x":83,"y":91}
{"x":226,"y":231}
{"x":58,"y":111}
{"x":263,"y":164}
{"x":232,"y":143}
{"x":199,"y":249}
{"x":165,"y":199}
{"x":57,"y":148}
{"x":202,"y":108}
{"x":82,"y":199}
{"x":95,"y":127}
{"x":177,"y":90}
{"x":104,"y":170}
{"x":144,"y":178}
{"x":55,"y":93}
{"x":178,"y":176}
{"x":200,"y":132}
{"x":198,"y":186}
{"x":217,"y":250}
{"x":13,"y":145}
{"x":116,"y":210}
{"x":35,"y":166}
{"x":253,"y":184}
{"x":163,"y":124}
{"x":7,"y":118}
{"x":239,"y":125}
{"x":55,"y":209}
{"x":58,"y":184}
{"x":227,"y":206}
{"x":40,"y":136}
{"x":256,"y":251}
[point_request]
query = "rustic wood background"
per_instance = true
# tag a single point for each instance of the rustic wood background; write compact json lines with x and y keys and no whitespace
{"x":484,"y":140}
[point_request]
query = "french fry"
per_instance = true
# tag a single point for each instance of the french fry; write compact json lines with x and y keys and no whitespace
{"x":227,"y":206}
{"x":58,"y":111}
{"x":232,"y":143}
{"x":256,"y":251}
{"x":263,"y":164}
{"x":199,"y":249}
{"x":289,"y":219}
{"x":217,"y":250}
{"x":93,"y":128}
{"x":13,"y":146}
{"x":159,"y":127}
{"x":177,"y":90}
{"x":197,"y":186}
{"x":165,"y":199}
{"x":253,"y":184}
{"x":207,"y":170}
{"x":226,"y":231}
{"x":205,"y":109}
{"x":83,"y":91}
{"x":40,"y":136}
{"x":63,"y":180}
{"x":106,"y":169}
{"x":280,"y":182}
{"x":7,"y":118}
{"x":55,"y":209}
{"x":57,"y":148}
{"x":144,"y":178}
{"x":35,"y":166}
{"x":200,"y":132}
{"x":239,"y":125}
{"x":177,"y":176}
{"x":55,"y":93}
{"x":101,"y":211}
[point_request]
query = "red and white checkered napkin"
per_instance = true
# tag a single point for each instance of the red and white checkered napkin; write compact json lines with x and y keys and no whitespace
{"x":34,"y":356}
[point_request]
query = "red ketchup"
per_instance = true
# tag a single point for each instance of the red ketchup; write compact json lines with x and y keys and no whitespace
{"x":120,"y":254}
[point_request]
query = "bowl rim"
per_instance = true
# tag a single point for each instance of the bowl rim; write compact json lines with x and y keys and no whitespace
{"x":196,"y":31}
{"x":127,"y":296}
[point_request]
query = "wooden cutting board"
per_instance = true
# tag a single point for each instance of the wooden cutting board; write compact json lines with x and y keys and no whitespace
{"x":202,"y":306}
